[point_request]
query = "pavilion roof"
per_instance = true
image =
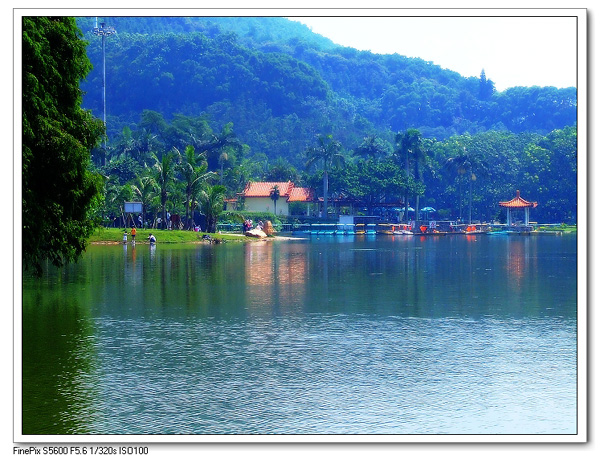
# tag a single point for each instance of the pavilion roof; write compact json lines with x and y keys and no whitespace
{"x":518,"y":202}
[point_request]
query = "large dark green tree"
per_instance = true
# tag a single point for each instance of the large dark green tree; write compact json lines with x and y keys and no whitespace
{"x":59,"y":192}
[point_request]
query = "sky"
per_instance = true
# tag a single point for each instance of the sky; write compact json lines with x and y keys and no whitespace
{"x":513,"y":51}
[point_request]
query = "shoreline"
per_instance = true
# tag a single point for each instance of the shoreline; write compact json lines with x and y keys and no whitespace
{"x":216,"y":237}
{"x":113,"y":236}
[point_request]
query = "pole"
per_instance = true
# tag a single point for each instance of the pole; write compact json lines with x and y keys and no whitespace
{"x":103,"y":31}
{"x":104,"y":81}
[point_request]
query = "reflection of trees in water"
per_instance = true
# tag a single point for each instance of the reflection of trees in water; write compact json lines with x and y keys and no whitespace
{"x":58,"y":365}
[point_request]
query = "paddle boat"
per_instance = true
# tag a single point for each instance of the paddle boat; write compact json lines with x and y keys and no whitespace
{"x":402,"y":229}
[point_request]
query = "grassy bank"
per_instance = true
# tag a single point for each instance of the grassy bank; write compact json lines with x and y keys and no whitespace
{"x":557,"y":228}
{"x":114,"y":235}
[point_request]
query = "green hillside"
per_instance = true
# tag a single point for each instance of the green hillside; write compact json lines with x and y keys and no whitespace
{"x":254,"y":94}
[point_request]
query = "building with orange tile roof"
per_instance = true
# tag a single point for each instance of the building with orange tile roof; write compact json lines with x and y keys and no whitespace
{"x":517,"y":203}
{"x":257,"y":196}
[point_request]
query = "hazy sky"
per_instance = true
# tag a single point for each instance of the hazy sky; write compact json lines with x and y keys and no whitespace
{"x":513,"y":51}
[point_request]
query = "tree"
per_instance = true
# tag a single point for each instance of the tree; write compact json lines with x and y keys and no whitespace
{"x":211,"y":200}
{"x":459,"y":164}
{"x":281,"y":171}
{"x":411,"y":146}
{"x":59,"y":191}
{"x":371,"y":147}
{"x":275,"y":194}
{"x":466,"y":164}
{"x":218,"y":143}
{"x":144,"y":189}
{"x":486,"y":87}
{"x":126,"y":144}
{"x":164,"y":177}
{"x":223,"y":157}
{"x":194,"y":177}
{"x":327,"y":152}
{"x":115,"y":195}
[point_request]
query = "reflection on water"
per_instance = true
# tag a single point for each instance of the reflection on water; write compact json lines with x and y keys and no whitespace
{"x":59,"y":386}
{"x":332,"y":335}
{"x":517,"y":264}
{"x":275,"y":277}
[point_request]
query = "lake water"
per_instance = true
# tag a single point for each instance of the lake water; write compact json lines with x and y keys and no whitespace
{"x":330,"y":335}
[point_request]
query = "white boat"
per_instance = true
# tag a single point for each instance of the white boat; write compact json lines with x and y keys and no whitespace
{"x":403,"y":230}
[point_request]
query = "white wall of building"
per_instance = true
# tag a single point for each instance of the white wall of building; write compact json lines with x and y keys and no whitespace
{"x":266,"y":205}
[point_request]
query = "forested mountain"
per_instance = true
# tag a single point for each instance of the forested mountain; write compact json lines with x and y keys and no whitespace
{"x":262,"y":89}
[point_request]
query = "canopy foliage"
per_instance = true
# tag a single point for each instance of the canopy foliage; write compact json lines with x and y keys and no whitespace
{"x":59,"y":191}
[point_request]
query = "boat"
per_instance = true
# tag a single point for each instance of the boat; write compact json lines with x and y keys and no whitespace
{"x":471,"y":229}
{"x":344,"y":229}
{"x":498,"y":233}
{"x":403,"y":230}
{"x":323,"y":228}
{"x":385,"y":228}
{"x":359,"y":228}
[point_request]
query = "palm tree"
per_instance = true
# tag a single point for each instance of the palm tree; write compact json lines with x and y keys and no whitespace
{"x":164,"y":176}
{"x":144,"y":189}
{"x":481,"y":168}
{"x":275,"y":193}
{"x":223,"y":157}
{"x":126,"y":143}
{"x":327,"y":152}
{"x":371,"y":147}
{"x":211,"y":200}
{"x":460,"y":165}
{"x":466,"y":164}
{"x":411,"y":146}
{"x":217,"y":143}
{"x":144,"y":142}
{"x":194,"y":177}
{"x":114,"y":195}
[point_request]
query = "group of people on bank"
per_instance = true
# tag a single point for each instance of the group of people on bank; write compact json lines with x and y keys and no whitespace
{"x":151,"y":238}
{"x":248,"y":225}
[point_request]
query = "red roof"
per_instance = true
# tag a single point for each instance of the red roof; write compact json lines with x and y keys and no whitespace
{"x":287,"y":190}
{"x":299,"y":194}
{"x":518,"y":202}
{"x":263,"y":189}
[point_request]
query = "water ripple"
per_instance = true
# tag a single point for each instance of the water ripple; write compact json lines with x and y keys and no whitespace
{"x":333,"y":374}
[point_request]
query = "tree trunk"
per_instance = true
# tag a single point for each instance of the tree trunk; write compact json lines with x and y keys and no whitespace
{"x":187,"y":212}
{"x":417,"y":207}
{"x":459,"y":199}
{"x":470,"y":199}
{"x":406,"y":166}
{"x":325,"y":191}
{"x":417,"y":177}
{"x":211,"y":223}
